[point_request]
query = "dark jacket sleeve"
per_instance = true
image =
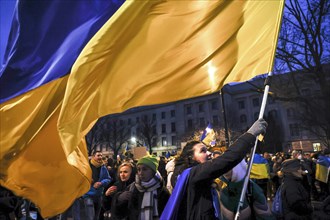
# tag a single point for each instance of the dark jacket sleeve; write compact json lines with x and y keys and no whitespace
{"x":220,"y":165}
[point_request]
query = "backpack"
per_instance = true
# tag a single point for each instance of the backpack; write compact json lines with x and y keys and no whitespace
{"x":277,"y":207}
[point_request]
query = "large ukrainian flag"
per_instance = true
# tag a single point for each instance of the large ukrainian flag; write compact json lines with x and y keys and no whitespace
{"x":45,"y":40}
{"x":148,"y":52}
{"x":322,"y":169}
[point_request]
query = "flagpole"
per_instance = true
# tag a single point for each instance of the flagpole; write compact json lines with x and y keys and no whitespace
{"x":247,"y":177}
{"x":227,"y":141}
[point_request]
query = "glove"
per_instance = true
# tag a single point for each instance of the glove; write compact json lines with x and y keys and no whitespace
{"x":258,"y":127}
{"x":124,"y":196}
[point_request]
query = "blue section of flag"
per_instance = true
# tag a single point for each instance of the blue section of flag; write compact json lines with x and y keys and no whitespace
{"x":45,"y":39}
{"x":323,"y":161}
{"x":258,"y":159}
{"x":172,"y":208}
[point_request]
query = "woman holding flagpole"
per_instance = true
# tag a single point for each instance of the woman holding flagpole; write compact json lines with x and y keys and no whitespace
{"x":197,"y":202}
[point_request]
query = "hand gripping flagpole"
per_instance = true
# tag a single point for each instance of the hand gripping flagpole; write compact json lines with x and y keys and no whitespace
{"x":247,"y":176}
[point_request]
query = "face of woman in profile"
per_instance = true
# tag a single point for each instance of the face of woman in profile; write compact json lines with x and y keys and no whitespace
{"x":125,"y":173}
{"x":144,"y":172}
{"x":201,"y":154}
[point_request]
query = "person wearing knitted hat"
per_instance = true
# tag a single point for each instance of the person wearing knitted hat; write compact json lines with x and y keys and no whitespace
{"x":147,"y":166}
{"x":295,"y":198}
{"x":146,"y":197}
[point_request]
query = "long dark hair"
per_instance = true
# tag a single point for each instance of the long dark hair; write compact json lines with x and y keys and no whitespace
{"x":184,"y":160}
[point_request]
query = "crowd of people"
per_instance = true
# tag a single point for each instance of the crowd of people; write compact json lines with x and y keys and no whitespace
{"x":198,"y":184}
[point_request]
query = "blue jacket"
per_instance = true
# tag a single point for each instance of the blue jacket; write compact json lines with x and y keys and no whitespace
{"x":105,"y":179}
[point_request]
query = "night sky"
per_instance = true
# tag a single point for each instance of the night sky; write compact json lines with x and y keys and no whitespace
{"x":6,"y":16}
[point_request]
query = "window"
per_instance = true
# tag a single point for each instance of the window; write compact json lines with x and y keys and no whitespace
{"x":290,"y":112}
{"x":201,"y":122}
{"x":173,"y":128}
{"x":190,"y":124}
{"x":306,"y":92}
{"x":256,"y":116}
{"x":137,"y":119}
{"x":164,"y":142}
{"x":255,"y":102}
{"x":241,"y":104}
{"x":271,"y":100}
{"x":145,"y":117}
{"x":163,"y":128}
{"x":273,"y":113}
{"x":188,"y":109}
{"x":317,"y":147}
{"x":214,"y":105}
{"x":215,"y":120}
{"x":174,"y":140}
{"x":129,"y":121}
{"x":154,"y":116}
{"x":172,"y":113}
{"x":242,"y":119}
{"x":201,"y":107}
{"x":294,"y":130}
{"x":163,"y":115}
{"x":154,"y":129}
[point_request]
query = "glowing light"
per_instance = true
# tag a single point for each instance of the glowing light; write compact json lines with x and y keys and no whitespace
{"x":211,"y":72}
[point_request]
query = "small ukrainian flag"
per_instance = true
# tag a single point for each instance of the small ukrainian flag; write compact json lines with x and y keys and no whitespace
{"x":260,"y":168}
{"x":322,"y":169}
{"x":208,"y":136}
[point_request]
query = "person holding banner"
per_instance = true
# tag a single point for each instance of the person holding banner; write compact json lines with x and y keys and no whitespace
{"x":197,"y":201}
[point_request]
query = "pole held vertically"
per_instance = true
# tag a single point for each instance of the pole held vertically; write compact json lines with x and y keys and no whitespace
{"x":247,"y":176}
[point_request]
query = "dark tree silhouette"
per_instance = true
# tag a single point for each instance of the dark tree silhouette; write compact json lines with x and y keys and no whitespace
{"x":146,"y":132}
{"x":303,"y":51}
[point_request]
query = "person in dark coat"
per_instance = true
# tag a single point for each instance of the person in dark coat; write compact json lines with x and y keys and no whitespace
{"x":146,"y":197}
{"x":126,"y":176}
{"x":295,"y":198}
{"x":197,"y":201}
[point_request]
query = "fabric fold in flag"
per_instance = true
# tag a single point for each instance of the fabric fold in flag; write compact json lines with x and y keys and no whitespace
{"x":322,"y":169}
{"x":260,"y":168}
{"x":154,"y":52}
{"x":208,"y":136}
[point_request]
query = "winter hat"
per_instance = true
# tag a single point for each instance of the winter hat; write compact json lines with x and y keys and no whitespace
{"x":291,"y":165}
{"x":150,"y":161}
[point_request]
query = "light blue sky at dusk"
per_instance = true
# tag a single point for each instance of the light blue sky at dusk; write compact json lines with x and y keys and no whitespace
{"x":6,"y":16}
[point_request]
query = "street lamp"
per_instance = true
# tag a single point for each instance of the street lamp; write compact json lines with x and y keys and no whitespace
{"x":133,"y":139}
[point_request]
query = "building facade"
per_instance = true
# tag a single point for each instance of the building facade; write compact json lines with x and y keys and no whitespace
{"x":172,"y":123}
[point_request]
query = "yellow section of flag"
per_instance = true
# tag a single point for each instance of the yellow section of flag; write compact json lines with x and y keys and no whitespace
{"x":322,"y":173}
{"x":259,"y":171}
{"x":153,"y":52}
{"x":33,"y":162}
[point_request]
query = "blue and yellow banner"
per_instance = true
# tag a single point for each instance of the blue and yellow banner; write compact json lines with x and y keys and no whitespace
{"x":260,"y":168}
{"x":322,"y":169}
{"x":208,"y":136}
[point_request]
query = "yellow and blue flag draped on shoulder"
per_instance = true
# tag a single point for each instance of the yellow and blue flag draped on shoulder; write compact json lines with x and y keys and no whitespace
{"x":147,"y":52}
{"x":322,"y":169}
{"x":208,"y":136}
{"x":260,"y":168}
{"x":46,"y":38}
